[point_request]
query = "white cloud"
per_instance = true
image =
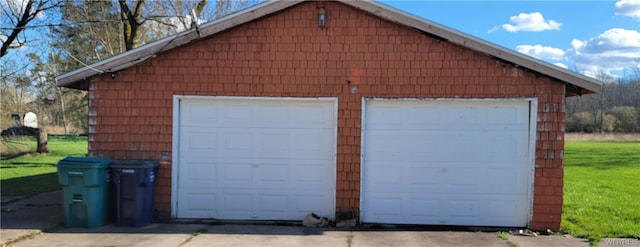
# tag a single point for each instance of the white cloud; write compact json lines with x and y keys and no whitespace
{"x":493,"y":29}
{"x":541,"y":52}
{"x":176,"y":24}
{"x":630,"y":8}
{"x":619,"y":44}
{"x":614,"y":50}
{"x":533,"y":22}
{"x":15,"y":6}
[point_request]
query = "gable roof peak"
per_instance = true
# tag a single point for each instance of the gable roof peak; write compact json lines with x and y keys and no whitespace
{"x":78,"y":78}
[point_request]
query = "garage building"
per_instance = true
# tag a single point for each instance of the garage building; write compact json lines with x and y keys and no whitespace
{"x":270,"y":113}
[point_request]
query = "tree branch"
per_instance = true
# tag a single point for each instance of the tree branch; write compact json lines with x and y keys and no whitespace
{"x":22,"y":21}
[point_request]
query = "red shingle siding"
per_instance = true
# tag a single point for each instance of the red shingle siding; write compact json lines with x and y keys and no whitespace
{"x":287,"y":55}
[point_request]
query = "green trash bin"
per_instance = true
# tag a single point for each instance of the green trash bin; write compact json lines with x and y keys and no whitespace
{"x":85,"y":189}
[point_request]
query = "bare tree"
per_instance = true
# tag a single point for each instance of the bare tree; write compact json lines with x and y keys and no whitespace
{"x":19,"y":15}
{"x":616,"y":108}
{"x":132,"y":20}
{"x":136,"y":13}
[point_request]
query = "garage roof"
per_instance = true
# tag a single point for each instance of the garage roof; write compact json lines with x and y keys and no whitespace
{"x":576,"y":83}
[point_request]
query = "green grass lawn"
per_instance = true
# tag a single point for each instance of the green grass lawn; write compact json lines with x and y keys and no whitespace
{"x":16,"y":146}
{"x":602,"y":189}
{"x":34,"y":173}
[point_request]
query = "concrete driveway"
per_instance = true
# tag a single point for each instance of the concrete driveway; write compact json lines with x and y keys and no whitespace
{"x":253,"y":235}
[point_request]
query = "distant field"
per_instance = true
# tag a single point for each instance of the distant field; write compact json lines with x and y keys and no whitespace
{"x":602,"y":189}
{"x":34,"y":173}
{"x":614,"y":137}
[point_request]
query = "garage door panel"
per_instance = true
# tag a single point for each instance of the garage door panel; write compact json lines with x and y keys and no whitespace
{"x":274,"y":173}
{"x":253,"y":144}
{"x":246,"y":114}
{"x":512,"y":115}
{"x":454,"y":211}
{"x":200,"y":202}
{"x":272,"y":203}
{"x":237,"y":205}
{"x":467,"y":161}
{"x":463,"y":207}
{"x":385,"y":206}
{"x":236,"y":142}
{"x":274,"y":115}
{"x":319,"y":116}
{"x":436,"y":188}
{"x":499,"y":207}
{"x":395,"y":179}
{"x":424,"y":175}
{"x":202,"y":140}
{"x":416,"y":210}
{"x":296,"y":205}
{"x":277,"y":143}
{"x":199,"y":114}
{"x":422,"y":208}
{"x":261,"y":159}
{"x":504,"y":178}
{"x":458,"y":176}
{"x":305,"y":174}
{"x":237,"y":174}
{"x":293,"y":143}
{"x":310,"y":173}
{"x":386,"y":175}
{"x":238,"y":113}
{"x":201,"y":171}
{"x":385,"y":116}
{"x":232,"y":144}
{"x":320,"y":203}
{"x":459,"y":116}
{"x":454,"y":178}
{"x":498,"y":210}
{"x":400,"y":144}
{"x":478,"y":115}
{"x":292,"y":205}
{"x":438,"y":146}
{"x":316,"y":149}
{"x":420,"y":116}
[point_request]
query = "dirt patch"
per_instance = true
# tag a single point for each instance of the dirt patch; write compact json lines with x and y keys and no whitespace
{"x":621,"y":137}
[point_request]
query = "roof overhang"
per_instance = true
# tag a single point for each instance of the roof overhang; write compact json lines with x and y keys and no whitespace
{"x":577,"y":84}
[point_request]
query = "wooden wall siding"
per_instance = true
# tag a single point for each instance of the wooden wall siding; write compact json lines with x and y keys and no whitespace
{"x":287,"y":55}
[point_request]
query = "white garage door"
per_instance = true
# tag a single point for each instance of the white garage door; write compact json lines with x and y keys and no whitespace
{"x":255,"y":159}
{"x":447,"y":162}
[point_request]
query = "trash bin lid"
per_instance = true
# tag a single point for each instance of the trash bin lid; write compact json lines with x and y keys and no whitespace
{"x":84,"y":162}
{"x":133,"y":164}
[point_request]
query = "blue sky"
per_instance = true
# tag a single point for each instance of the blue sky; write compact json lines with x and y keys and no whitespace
{"x":592,"y":37}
